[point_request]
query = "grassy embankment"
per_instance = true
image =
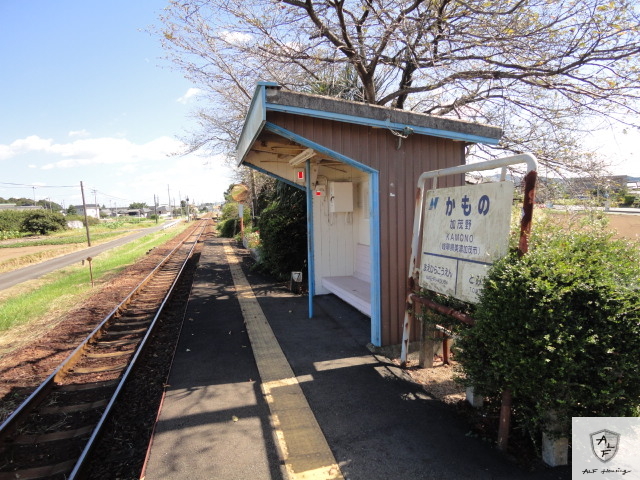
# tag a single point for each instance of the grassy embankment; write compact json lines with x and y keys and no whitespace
{"x":58,"y":292}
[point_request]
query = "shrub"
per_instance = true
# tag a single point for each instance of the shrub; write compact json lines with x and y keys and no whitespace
{"x":560,"y":328}
{"x":11,"y":220}
{"x":229,"y":228}
{"x":8,"y":235}
{"x":283,"y":233}
{"x":42,"y":222}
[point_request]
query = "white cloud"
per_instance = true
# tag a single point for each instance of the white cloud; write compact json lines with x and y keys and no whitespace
{"x":236,"y":38}
{"x":192,"y":92}
{"x":79,"y":133}
{"x":118,"y":168}
{"x":92,"y":151}
{"x":30,"y":144}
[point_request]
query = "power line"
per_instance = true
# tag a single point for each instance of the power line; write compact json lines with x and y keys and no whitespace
{"x":110,"y":196}
{"x":38,"y":186}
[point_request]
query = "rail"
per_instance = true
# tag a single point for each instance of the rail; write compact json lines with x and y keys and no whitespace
{"x":123,"y":334}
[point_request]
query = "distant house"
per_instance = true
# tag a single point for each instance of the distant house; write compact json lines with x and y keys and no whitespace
{"x":92,"y":210}
{"x":163,"y":211}
{"x":139,"y":212}
{"x":13,"y":206}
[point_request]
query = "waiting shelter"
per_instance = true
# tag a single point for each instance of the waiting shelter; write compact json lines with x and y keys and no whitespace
{"x":359,"y":165}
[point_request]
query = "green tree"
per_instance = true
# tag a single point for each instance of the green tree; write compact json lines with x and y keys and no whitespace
{"x":137,"y":205}
{"x":42,"y":222}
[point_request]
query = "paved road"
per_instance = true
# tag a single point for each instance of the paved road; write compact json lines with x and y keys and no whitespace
{"x":15,"y":277}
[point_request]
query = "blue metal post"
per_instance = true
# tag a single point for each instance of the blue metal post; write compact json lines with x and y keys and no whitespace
{"x":311,"y":278}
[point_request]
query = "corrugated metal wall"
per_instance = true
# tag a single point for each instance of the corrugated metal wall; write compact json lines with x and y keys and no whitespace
{"x":399,"y":170}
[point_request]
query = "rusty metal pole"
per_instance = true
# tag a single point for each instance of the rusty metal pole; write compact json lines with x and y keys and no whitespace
{"x":505,"y":421}
{"x":527,"y":211}
{"x":523,"y":247}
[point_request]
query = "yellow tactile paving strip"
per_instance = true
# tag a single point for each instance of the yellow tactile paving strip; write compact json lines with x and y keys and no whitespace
{"x":302,"y":445}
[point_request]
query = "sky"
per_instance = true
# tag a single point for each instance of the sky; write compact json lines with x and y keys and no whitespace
{"x":86,"y":96}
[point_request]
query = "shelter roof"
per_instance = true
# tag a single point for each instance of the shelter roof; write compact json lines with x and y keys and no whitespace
{"x":271,"y":97}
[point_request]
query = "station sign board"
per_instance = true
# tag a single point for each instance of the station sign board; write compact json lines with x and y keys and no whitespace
{"x":466,"y":229}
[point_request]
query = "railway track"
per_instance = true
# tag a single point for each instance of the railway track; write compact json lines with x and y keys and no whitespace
{"x":51,"y":434}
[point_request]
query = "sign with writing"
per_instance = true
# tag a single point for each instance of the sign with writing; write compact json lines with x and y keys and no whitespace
{"x":465,"y":230}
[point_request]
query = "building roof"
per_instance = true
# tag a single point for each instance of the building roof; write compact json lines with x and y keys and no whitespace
{"x":88,"y":205}
{"x":270,"y":97}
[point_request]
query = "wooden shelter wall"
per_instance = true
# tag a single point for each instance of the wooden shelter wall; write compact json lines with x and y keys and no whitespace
{"x":399,"y":170}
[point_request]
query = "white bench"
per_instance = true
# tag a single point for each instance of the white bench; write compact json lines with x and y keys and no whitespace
{"x":354,"y":289}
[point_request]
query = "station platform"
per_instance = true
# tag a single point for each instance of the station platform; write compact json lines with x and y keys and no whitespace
{"x":259,"y":391}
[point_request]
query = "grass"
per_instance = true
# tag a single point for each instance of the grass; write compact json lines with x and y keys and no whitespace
{"x":98,"y":233}
{"x":62,"y":289}
{"x":63,"y":239}
{"x":67,"y":241}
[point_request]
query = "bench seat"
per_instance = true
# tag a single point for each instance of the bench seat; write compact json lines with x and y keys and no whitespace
{"x":354,"y":289}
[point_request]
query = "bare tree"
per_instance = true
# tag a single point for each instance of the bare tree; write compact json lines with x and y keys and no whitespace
{"x":544,"y":70}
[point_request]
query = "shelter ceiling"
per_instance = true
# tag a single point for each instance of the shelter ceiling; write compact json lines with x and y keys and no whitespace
{"x":272,"y":148}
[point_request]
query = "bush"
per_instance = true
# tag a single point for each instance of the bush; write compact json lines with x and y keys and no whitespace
{"x":283,"y":233}
{"x":629,"y":200}
{"x":11,"y":220}
{"x":229,"y":228}
{"x":42,"y":222}
{"x":560,"y":328}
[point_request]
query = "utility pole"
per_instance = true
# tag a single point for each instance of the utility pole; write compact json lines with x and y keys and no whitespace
{"x":169,"y":204}
{"x":86,"y":220}
{"x":95,"y":202}
{"x":155,"y":207}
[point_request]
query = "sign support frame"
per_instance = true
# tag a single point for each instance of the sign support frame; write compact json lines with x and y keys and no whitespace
{"x":414,"y":264}
{"x":426,"y":354}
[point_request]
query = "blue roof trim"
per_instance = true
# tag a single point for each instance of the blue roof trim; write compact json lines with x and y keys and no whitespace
{"x":464,"y":137}
{"x":283,"y":132}
{"x":278,"y":177}
{"x":254,"y":121}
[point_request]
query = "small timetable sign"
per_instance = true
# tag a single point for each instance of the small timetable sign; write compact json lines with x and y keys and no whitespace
{"x":466,"y":229}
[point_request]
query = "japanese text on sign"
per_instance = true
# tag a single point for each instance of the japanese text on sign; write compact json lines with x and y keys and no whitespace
{"x":465,"y":230}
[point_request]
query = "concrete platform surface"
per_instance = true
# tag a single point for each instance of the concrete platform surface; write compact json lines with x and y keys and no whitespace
{"x":308,"y":401}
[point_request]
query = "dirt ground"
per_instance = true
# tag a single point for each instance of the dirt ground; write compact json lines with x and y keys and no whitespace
{"x":626,"y":225}
{"x":9,"y":253}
